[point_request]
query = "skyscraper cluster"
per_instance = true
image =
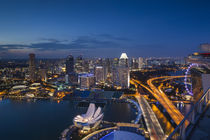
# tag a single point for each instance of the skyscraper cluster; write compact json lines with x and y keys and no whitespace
{"x":114,"y":72}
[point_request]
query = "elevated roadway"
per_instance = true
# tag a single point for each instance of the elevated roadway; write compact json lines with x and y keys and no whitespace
{"x":153,"y":126}
{"x":174,"y":113}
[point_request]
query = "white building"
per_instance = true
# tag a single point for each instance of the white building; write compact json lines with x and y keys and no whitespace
{"x":91,"y":119}
{"x":123,"y":70}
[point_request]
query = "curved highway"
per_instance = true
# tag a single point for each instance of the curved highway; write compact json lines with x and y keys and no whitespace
{"x":174,"y":113}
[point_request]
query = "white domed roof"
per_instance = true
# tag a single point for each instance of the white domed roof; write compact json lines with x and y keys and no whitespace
{"x":123,"y":56}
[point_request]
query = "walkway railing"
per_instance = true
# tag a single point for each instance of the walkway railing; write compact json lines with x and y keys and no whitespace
{"x":181,"y":132}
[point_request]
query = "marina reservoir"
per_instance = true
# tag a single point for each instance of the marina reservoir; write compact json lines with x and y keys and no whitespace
{"x":46,"y":119}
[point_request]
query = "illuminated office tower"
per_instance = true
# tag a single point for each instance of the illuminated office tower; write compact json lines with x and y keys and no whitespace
{"x":43,"y":74}
{"x":141,"y":62}
{"x":123,"y":69}
{"x":85,"y":66}
{"x":99,"y":74}
{"x":79,"y":64}
{"x":134,"y":63}
{"x":107,"y":68}
{"x":123,"y":62}
{"x":86,"y":80}
{"x":32,"y":67}
{"x":70,"y":64}
{"x":114,"y":72}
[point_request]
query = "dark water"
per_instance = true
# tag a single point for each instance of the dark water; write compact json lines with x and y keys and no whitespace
{"x":45,"y":119}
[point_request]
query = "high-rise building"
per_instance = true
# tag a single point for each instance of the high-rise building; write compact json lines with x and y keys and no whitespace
{"x":73,"y":79}
{"x":107,"y":68}
{"x":115,"y":62}
{"x":86,"y":80}
{"x":200,"y":73}
{"x":43,"y":74}
{"x":123,"y":62}
{"x":99,"y":74}
{"x":32,"y":67}
{"x":70,"y":64}
{"x":123,"y":70}
{"x":134,"y":63}
{"x":79,"y":64}
{"x":66,"y":78}
{"x":85,"y":66}
{"x":141,"y":62}
{"x":114,"y":72}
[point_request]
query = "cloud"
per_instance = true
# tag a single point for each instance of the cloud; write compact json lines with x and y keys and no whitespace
{"x":112,"y":37}
{"x":53,"y":40}
{"x":51,"y":45}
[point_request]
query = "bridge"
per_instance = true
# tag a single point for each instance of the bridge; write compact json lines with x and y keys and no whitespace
{"x":174,"y":113}
{"x":185,"y":124}
{"x":153,"y":126}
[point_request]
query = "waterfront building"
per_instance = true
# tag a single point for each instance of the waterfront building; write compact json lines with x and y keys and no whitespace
{"x":32,"y":67}
{"x":91,"y":119}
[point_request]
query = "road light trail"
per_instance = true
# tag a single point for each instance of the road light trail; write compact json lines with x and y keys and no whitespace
{"x":153,"y":126}
{"x":174,"y":113}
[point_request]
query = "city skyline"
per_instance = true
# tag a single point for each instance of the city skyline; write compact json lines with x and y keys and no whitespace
{"x":104,"y":69}
{"x":56,"y":29}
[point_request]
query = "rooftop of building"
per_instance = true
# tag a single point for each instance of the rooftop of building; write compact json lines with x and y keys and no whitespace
{"x":123,"y":56}
{"x":122,"y":135}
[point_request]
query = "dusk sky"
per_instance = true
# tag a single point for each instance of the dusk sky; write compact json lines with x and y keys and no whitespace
{"x":102,"y":28}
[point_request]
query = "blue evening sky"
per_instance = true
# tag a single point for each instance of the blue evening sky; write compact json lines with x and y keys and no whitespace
{"x":103,"y":28}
